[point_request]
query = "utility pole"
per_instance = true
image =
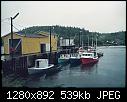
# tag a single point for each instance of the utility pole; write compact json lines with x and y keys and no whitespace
{"x":50,"y":45}
{"x":50,"y":41}
{"x":12,"y":51}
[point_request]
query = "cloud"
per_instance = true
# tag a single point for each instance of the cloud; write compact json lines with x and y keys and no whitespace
{"x":101,"y":16}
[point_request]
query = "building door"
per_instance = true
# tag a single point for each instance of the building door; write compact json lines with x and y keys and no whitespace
{"x":17,"y":46}
{"x":43,"y":48}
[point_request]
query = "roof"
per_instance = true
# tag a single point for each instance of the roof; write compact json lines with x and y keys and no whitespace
{"x":32,"y":35}
{"x":28,"y":35}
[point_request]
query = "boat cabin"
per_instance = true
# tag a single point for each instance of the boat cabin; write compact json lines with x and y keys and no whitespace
{"x":41,"y":63}
{"x":88,"y":55}
{"x":75,"y":55}
{"x":64,"y":56}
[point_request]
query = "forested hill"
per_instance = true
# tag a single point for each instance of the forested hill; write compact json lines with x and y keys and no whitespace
{"x":115,"y":38}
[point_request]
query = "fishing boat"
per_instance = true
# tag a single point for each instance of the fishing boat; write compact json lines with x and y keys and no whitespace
{"x":75,"y":57}
{"x":64,"y":59}
{"x":42,"y":66}
{"x":100,"y":54}
{"x":90,"y":57}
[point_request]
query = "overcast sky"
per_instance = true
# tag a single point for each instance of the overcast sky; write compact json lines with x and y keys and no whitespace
{"x":99,"y":16}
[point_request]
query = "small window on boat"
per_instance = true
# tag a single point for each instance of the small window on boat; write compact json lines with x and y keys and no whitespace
{"x":37,"y":64}
{"x":88,"y":54}
{"x":84,"y":54}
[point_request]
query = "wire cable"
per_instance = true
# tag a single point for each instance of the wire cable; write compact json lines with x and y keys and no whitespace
{"x":5,"y":19}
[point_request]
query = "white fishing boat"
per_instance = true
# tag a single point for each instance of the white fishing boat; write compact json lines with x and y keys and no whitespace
{"x":41,"y":65}
{"x":64,"y":59}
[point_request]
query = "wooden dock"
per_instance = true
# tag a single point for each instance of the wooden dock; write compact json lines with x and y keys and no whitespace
{"x":19,"y":65}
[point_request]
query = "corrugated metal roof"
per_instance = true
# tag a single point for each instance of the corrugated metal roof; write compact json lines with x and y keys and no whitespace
{"x":33,"y":35}
{"x":29,"y":35}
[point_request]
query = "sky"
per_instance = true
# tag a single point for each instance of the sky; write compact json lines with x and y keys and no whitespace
{"x":95,"y":16}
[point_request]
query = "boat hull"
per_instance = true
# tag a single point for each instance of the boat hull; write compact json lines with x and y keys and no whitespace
{"x":88,"y":61}
{"x":100,"y":54}
{"x":42,"y":71}
{"x":63,"y":61}
{"x":74,"y":61}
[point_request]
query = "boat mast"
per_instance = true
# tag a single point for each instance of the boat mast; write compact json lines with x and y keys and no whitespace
{"x":79,"y":38}
{"x":81,"y":41}
{"x":92,"y":40}
{"x":88,"y":40}
{"x":96,"y":45}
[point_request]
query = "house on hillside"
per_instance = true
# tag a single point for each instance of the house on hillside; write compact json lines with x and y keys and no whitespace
{"x":29,"y":43}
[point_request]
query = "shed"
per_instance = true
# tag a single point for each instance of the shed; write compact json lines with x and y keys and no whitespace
{"x":29,"y":43}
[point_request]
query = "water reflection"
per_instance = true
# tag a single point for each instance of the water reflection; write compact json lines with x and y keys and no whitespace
{"x":74,"y":65}
{"x":89,"y":68}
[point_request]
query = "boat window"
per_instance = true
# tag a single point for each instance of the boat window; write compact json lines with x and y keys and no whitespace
{"x":84,"y":54}
{"x":37,"y":64}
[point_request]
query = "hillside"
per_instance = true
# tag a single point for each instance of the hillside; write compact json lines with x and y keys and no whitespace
{"x":116,"y":38}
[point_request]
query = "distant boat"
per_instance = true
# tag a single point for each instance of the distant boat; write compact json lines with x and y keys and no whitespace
{"x":99,"y":54}
{"x":42,"y":66}
{"x":64,"y":59}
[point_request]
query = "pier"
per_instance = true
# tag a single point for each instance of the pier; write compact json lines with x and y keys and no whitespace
{"x":19,"y":65}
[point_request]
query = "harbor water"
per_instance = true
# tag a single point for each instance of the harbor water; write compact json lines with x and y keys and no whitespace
{"x":110,"y":71}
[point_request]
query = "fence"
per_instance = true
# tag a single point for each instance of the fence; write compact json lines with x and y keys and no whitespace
{"x":17,"y":66}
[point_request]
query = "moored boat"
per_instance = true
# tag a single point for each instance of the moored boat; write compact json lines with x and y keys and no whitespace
{"x":42,"y":66}
{"x":75,"y":59}
{"x":100,"y":54}
{"x":64,"y":59}
{"x":89,"y":58}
